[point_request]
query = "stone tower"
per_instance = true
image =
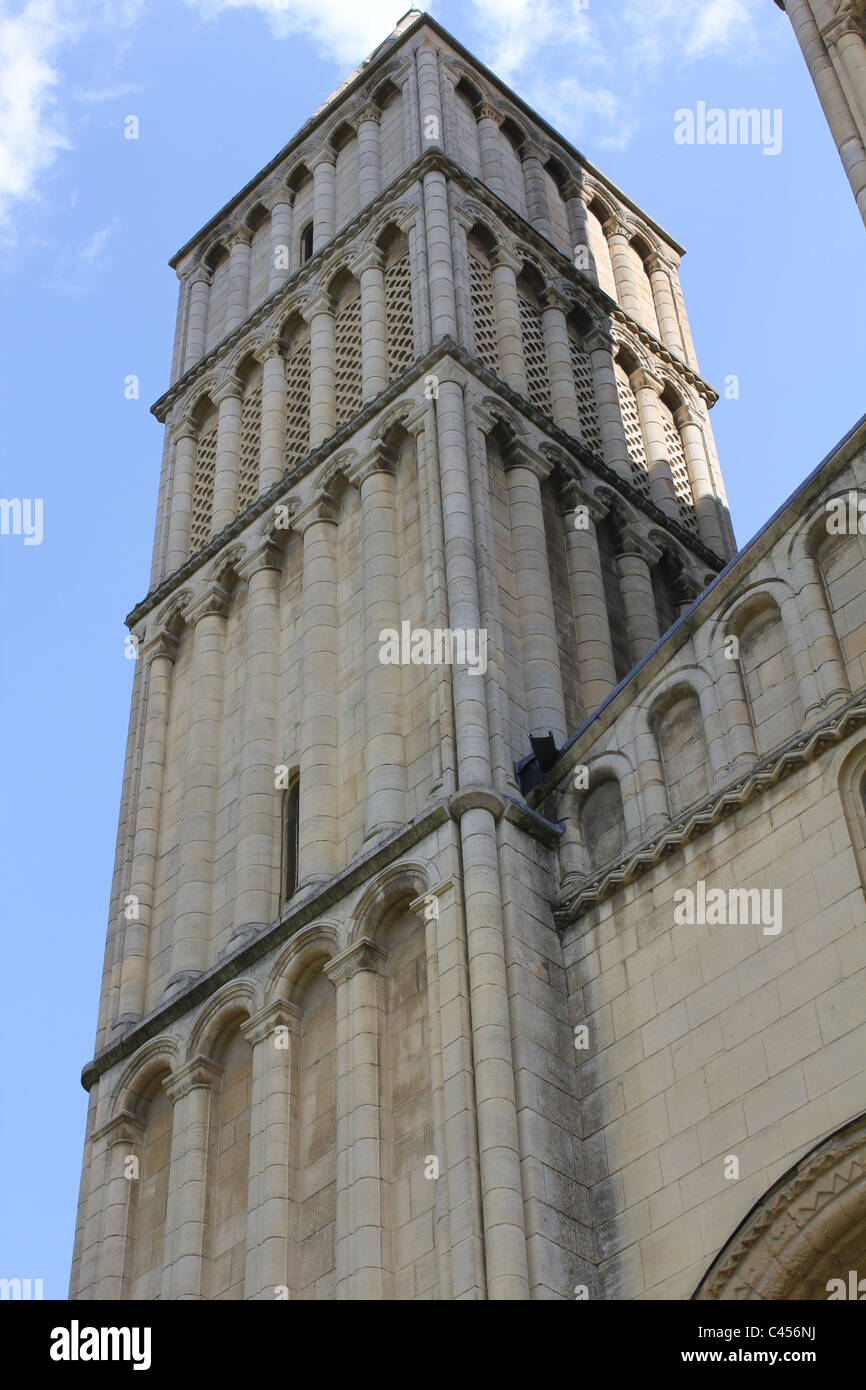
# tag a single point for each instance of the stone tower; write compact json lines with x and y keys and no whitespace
{"x":433,"y":391}
{"x":832,"y":35}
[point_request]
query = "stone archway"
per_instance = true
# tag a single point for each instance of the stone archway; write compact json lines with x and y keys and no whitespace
{"x":809,"y":1228}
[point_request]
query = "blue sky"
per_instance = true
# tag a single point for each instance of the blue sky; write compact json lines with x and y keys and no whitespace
{"x":88,"y":219}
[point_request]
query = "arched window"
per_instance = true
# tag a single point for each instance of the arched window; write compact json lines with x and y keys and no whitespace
{"x":296,"y":338}
{"x":205,"y":473}
{"x":584,"y":385}
{"x":467,"y":99}
{"x":624,"y":365}
{"x":250,"y":373}
{"x":608,"y":545}
{"x":768,"y":675}
{"x":665,"y":578}
{"x":230,"y":1165}
{"x":679,"y":730}
{"x":289,"y":837}
{"x":480,"y":245}
{"x":529,"y":290}
{"x":149,"y":1196}
{"x":398,"y":301}
{"x":639,"y":254}
{"x":510,"y":143}
{"x":602,"y":823}
{"x":306,"y":243}
{"x":346,"y":297}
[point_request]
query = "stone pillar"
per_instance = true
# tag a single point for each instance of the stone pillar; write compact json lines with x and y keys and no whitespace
{"x":319,"y":823}
{"x":738,"y":728}
{"x":159,"y":656}
{"x":273,"y":1034}
{"x":229,"y":399}
{"x":196,"y":322}
{"x":384,"y":755}
{"x":319,"y":313}
{"x":563,"y":394}
{"x":641,"y":620}
{"x":578,"y":229}
{"x":488,"y":141}
{"x":508,"y":328}
{"x":440,"y":268}
{"x":647,"y":390}
{"x":324,"y":170}
{"x":535,"y":187}
{"x":595,"y":663}
{"x":258,"y":819}
{"x":237,"y":306}
{"x":682,"y":316}
{"x":831,"y":677}
{"x":611,"y":428}
{"x":182,"y":489}
{"x":627,"y":292}
{"x":666,"y":309}
{"x":429,"y":99}
{"x":369,"y":173}
{"x":499,"y":1149}
{"x":191,"y":1090}
{"x":123,"y":1136}
{"x":272,"y":456}
{"x":362,"y":1198}
{"x":542,"y":678}
{"x":280,"y":266}
{"x":369,"y":269}
{"x":705,"y":501}
{"x":192,"y":905}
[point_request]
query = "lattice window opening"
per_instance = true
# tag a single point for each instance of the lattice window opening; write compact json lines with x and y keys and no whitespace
{"x":587,"y":406}
{"x":633,"y":431}
{"x":398,"y":317}
{"x":202,"y":496}
{"x":250,"y":448}
{"x":534,"y":354}
{"x":483,"y":313}
{"x":347,"y":360}
{"x":679,"y":468}
{"x":298,"y":403}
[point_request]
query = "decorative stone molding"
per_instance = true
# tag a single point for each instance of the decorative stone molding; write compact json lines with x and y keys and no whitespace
{"x":279,"y":1014}
{"x":201,"y":1071}
{"x":363,"y":955}
{"x":476,"y":799}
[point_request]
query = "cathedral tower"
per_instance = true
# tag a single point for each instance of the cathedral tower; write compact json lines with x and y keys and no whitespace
{"x":438,"y":474}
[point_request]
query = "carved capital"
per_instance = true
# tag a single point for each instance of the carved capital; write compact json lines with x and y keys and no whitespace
{"x":201,"y":1071}
{"x":199,"y":275}
{"x":633,"y":542}
{"x":371,"y":258}
{"x":643,"y":380}
{"x":264,"y":1024}
{"x":574,"y":496}
{"x":230,"y":389}
{"x":122,"y":1128}
{"x":487,"y":112}
{"x":273,"y":347}
{"x":371,"y":112}
{"x":517,"y":455}
{"x":213,"y":604}
{"x":322,"y":509}
{"x":363,"y":955}
{"x":187,"y":429}
{"x":380,"y":459}
{"x":476,"y":799}
{"x":323,"y":156}
{"x":613,"y":227}
{"x":241,"y":236}
{"x":572,"y":189}
{"x":266,"y":556}
{"x":163,"y":643}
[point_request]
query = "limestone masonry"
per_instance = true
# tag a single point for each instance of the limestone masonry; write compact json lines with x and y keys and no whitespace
{"x":416,"y":983}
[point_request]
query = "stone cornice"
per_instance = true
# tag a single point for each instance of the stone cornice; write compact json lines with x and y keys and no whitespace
{"x":716,"y":807}
{"x":261,"y":945}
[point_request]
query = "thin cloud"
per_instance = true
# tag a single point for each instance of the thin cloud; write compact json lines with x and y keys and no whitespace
{"x":31,"y":132}
{"x":342,"y":30}
{"x":94,"y":246}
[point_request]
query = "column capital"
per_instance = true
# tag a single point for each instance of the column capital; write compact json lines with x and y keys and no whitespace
{"x":241,"y":236}
{"x":552,"y":297}
{"x":486,"y":111}
{"x":163,"y":643}
{"x":530,"y":149}
{"x":380,"y":459}
{"x":198,"y":274}
{"x":614,"y":226}
{"x":325,"y":155}
{"x":268,"y":555}
{"x":282,"y":196}
{"x":279,"y":1014}
{"x":371,"y":258}
{"x":633,"y":542}
{"x":436,"y":890}
{"x":213,"y":604}
{"x":230,"y":389}
{"x":502,"y":256}
{"x":599,"y":338}
{"x":122,"y":1128}
{"x":518,"y":455}
{"x":362,"y":955}
{"x":322,"y":508}
{"x":655,"y":261}
{"x":271,"y":347}
{"x":642,"y":378}
{"x":689,"y":586}
{"x":186,"y":429}
{"x":319,"y":303}
{"x":575,"y":495}
{"x":201,"y":1071}
{"x":370,"y":112}
{"x":572,"y":188}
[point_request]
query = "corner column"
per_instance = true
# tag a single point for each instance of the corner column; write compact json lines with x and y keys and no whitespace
{"x":318,"y":816}
{"x":370,"y":271}
{"x":272,"y":453}
{"x":273,"y":1034}
{"x":488,"y":142}
{"x":647,"y":390}
{"x":281,"y":240}
{"x":563,"y":393}
{"x":641,"y":620}
{"x":191,"y":1090}
{"x":240,"y":248}
{"x":319,"y":313}
{"x":369,"y":175}
{"x":705,"y":501}
{"x":324,"y":171}
{"x":614,"y":443}
{"x":588,"y":603}
{"x":196,"y":323}
{"x":182,"y":488}
{"x":229,"y":398}
{"x":508,"y":328}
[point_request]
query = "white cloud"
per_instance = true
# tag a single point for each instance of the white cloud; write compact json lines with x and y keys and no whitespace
{"x":343,"y":30}
{"x":93,"y":247}
{"x":31,"y":134}
{"x":689,"y":28}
